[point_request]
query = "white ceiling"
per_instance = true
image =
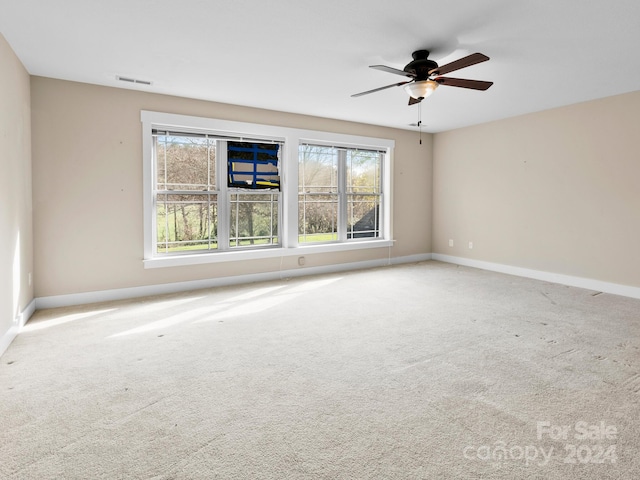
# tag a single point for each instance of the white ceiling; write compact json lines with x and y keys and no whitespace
{"x":308,"y":57}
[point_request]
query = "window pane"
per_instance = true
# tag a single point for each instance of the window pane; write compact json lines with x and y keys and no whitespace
{"x":317,"y":169}
{"x":363,"y":171}
{"x":317,"y":218}
{"x":364,"y":216}
{"x":186,"y":222}
{"x":363,"y":193}
{"x":185,"y":163}
{"x":317,"y":194}
{"x":254,"y":219}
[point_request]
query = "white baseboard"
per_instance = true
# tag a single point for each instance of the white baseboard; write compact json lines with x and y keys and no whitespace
{"x":147,"y":290}
{"x":10,"y":335}
{"x":586,"y":283}
{"x":125,"y":293}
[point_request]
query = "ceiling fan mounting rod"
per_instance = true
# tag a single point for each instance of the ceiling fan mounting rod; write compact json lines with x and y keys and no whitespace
{"x":420,"y":54}
{"x":421,"y":65}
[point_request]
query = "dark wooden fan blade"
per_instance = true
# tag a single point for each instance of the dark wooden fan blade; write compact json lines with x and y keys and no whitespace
{"x":384,"y":68}
{"x":458,"y":64}
{"x":413,"y":101}
{"x":378,"y":89}
{"x":461,"y":82}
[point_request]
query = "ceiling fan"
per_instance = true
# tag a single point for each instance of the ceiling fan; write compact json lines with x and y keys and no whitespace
{"x":425,"y":75}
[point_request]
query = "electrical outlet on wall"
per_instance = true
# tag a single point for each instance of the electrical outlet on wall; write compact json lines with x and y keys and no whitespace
{"x":470,"y":245}
{"x":451,"y":242}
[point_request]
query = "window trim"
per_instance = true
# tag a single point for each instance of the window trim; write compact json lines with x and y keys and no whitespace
{"x":288,"y":230}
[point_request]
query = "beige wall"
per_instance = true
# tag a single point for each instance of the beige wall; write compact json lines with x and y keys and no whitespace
{"x":87,"y":181}
{"x":557,"y":191}
{"x":554,"y":191}
{"x":16,"y":251}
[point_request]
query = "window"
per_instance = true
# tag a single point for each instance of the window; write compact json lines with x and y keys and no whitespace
{"x":218,"y":191}
{"x":186,"y":198}
{"x":339,"y":193}
{"x":197,"y":209}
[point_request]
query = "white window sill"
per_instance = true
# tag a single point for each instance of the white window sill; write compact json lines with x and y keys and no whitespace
{"x":238,"y":255}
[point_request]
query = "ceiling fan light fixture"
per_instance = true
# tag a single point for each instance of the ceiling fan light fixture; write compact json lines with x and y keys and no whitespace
{"x":421,"y":89}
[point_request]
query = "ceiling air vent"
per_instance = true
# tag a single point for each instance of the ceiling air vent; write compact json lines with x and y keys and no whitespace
{"x":133,"y":80}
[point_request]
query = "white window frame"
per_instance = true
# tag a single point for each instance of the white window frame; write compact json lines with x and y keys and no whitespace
{"x":288,"y":220}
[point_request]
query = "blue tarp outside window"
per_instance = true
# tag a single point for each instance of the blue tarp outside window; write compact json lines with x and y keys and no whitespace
{"x":253,"y":165}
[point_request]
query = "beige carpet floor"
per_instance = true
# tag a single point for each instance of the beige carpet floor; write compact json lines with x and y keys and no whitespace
{"x":421,"y":371}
